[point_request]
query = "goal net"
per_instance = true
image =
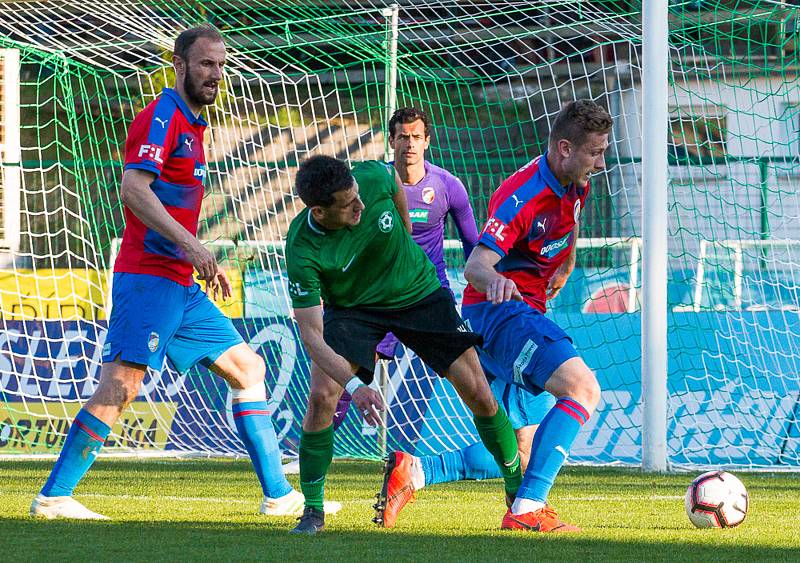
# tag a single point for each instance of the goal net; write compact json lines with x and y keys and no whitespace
{"x":309,"y":78}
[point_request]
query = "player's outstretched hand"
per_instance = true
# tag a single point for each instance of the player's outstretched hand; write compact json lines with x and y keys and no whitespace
{"x":502,"y":289}
{"x":202,"y":260}
{"x":369,"y":404}
{"x":220,"y":284}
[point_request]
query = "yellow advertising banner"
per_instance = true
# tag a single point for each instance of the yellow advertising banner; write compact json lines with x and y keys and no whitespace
{"x":52,"y":294}
{"x":234,"y":306}
{"x":41,"y":428}
{"x":76,"y":294}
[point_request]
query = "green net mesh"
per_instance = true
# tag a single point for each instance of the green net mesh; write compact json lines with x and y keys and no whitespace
{"x":322,"y":78}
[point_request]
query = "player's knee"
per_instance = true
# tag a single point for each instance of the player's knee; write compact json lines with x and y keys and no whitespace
{"x":483,"y":403}
{"x":574,"y":379}
{"x":250,"y":371}
{"x":256,"y":369}
{"x":587,"y":390}
{"x":116,"y":392}
{"x":323,"y":396}
{"x":321,"y":408}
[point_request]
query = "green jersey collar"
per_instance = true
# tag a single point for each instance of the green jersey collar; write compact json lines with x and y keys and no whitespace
{"x":320,"y":230}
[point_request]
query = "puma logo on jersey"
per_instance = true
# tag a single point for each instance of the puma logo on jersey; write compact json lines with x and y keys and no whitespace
{"x":517,"y":201}
{"x":188,"y":142}
{"x":542,"y":224}
{"x":162,"y":122}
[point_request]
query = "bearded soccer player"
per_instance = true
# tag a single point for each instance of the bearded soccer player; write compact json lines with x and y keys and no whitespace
{"x":349,"y":250}
{"x":158,"y":309}
{"x":525,"y":254}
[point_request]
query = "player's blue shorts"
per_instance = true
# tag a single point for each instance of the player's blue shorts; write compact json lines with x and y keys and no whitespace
{"x":152,"y":317}
{"x":522,"y":407}
{"x":520,"y":345}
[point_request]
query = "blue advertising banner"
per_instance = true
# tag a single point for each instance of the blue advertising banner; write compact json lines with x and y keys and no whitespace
{"x":734,"y":392}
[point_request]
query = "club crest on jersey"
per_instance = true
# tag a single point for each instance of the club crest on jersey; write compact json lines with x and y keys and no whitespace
{"x":386,"y":221}
{"x":576,"y":211}
{"x":152,"y":342}
{"x":151,"y":152}
{"x":297,"y":290}
{"x":428,"y":195}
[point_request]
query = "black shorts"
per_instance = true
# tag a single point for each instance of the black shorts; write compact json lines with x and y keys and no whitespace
{"x":432,"y":328}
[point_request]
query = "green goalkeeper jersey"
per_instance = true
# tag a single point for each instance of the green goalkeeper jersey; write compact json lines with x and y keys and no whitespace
{"x":375,"y":264}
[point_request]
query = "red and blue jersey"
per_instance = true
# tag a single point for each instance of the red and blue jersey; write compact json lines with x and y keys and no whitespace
{"x":166,"y":139}
{"x":530,"y":225}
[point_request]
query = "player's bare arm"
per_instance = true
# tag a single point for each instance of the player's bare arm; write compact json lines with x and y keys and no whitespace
{"x":136,"y":194}
{"x":309,"y":320}
{"x":401,"y":202}
{"x":561,"y":275}
{"x":480,"y":272}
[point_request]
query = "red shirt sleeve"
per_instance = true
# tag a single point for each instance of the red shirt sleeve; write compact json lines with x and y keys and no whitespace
{"x":149,"y":140}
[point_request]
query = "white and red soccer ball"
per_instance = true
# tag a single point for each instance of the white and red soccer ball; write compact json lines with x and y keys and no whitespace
{"x":716,"y":499}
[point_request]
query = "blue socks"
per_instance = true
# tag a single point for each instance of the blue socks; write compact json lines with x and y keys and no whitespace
{"x":255,"y":429}
{"x":551,"y":444}
{"x":84,"y":440}
{"x":472,"y":462}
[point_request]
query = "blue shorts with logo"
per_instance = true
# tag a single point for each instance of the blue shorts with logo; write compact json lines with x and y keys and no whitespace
{"x":153,"y":317}
{"x":522,"y":407}
{"x":520,"y":345}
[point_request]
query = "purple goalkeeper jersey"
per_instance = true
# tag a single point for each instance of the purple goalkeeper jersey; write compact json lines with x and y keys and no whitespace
{"x":429,"y":202}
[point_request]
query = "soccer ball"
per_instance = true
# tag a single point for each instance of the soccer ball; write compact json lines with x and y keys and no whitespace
{"x":716,"y":499}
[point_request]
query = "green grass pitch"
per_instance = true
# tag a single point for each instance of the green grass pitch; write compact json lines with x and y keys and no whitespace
{"x":207,"y":510}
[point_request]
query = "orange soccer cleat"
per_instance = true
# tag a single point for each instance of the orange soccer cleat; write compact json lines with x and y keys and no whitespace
{"x":397,"y":489}
{"x":542,"y":520}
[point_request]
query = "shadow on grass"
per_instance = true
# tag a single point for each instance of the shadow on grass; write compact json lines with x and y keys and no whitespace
{"x":181,"y":541}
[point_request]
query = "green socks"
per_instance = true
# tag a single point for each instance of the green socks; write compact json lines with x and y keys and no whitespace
{"x":316,"y":453}
{"x":499,"y":438}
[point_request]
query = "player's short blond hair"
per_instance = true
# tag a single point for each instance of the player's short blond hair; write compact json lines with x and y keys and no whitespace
{"x":578,"y":118}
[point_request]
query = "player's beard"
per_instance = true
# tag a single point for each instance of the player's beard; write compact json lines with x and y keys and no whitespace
{"x":194,"y":90}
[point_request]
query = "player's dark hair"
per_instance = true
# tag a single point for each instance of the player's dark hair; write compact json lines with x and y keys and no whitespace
{"x":319,"y":177}
{"x":187,"y":38}
{"x":578,"y":118}
{"x":409,"y":115}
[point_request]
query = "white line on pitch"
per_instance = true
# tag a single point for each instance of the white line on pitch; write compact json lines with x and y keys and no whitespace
{"x":621,"y":498}
{"x":255,"y":501}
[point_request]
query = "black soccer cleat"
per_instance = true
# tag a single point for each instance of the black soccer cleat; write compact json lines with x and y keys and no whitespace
{"x":311,"y":522}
